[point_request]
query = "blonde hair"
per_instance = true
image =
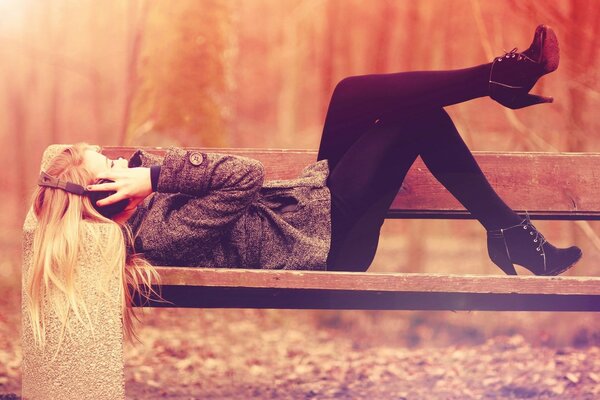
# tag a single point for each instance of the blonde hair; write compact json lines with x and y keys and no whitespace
{"x":63,"y":220}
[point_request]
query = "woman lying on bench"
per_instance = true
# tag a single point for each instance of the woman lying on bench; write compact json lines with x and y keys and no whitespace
{"x":202,"y":209}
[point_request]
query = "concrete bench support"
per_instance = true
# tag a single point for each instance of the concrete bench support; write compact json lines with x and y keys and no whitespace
{"x":89,"y":364}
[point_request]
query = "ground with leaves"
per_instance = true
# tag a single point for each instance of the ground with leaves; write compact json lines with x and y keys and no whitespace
{"x":284,"y":354}
{"x":241,"y":354}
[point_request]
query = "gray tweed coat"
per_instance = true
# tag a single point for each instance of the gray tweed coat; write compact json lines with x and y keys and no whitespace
{"x":215,"y":210}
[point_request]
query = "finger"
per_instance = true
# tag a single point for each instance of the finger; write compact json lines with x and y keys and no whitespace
{"x":112,"y":174}
{"x":113,"y":198}
{"x":103,"y":187}
{"x":105,"y":175}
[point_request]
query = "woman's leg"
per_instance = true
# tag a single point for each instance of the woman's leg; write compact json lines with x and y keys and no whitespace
{"x":356,"y":104}
{"x":358,"y":101}
{"x":366,"y":179}
{"x":376,"y":125}
{"x":451,"y":162}
{"x":363,"y":184}
{"x":368,"y":176}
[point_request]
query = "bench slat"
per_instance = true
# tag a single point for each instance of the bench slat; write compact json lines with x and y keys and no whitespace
{"x":547,"y":185}
{"x":387,"y":282}
{"x":240,"y":288}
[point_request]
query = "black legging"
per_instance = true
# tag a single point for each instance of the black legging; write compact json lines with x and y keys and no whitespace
{"x":375,"y":128}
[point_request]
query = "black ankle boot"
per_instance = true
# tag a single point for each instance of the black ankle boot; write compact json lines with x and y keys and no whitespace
{"x":523,"y":244}
{"x":513,"y":75}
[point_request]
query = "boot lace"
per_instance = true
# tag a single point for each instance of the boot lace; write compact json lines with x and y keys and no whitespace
{"x":514,"y":53}
{"x":537,"y":236}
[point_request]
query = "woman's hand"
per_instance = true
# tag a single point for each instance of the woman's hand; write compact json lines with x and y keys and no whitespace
{"x":129,"y":183}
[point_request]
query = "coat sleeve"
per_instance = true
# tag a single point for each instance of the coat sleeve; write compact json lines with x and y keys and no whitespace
{"x":219,"y":189}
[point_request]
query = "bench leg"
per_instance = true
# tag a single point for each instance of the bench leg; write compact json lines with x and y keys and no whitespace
{"x":89,"y":365}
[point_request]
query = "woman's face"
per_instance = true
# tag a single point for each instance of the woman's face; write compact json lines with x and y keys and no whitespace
{"x":97,"y":163}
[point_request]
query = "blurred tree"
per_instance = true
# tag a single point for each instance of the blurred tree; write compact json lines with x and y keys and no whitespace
{"x":137,"y":14}
{"x":575,"y":21}
{"x":182,"y":92}
{"x":580,"y":38}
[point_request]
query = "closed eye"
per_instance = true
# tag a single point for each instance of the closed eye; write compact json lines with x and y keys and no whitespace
{"x":112,"y":163}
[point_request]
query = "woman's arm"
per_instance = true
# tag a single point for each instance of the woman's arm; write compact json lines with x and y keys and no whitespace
{"x":222,"y":186}
{"x":225,"y":184}
{"x":210,"y":193}
{"x":198,"y":174}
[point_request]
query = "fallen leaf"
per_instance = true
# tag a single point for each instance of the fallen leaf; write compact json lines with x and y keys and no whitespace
{"x":559,"y":388}
{"x":594,"y":376}
{"x":153,"y":383}
{"x":573,"y":377}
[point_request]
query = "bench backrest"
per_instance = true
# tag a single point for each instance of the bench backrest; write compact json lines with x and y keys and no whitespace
{"x":547,"y":185}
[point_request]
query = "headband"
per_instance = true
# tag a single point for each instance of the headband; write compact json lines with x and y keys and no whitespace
{"x":52,"y":182}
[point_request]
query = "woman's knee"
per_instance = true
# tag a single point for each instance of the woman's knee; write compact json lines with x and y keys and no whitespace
{"x":342,"y":89}
{"x":347,"y":83}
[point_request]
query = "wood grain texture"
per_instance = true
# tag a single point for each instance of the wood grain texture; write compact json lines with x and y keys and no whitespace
{"x":547,"y":185}
{"x":387,"y":282}
{"x":268,"y":289}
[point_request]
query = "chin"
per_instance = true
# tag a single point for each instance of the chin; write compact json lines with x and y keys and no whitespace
{"x":123,"y":217}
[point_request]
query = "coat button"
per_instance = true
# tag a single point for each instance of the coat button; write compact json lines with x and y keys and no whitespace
{"x":195,"y":158}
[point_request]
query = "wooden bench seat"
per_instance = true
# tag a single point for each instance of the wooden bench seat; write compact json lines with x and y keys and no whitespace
{"x":550,"y":186}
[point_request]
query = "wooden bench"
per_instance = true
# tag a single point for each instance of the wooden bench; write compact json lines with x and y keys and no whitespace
{"x":548,"y":185}
{"x":561,"y":186}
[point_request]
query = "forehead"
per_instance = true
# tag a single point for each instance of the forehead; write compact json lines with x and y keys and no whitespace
{"x":94,"y":161}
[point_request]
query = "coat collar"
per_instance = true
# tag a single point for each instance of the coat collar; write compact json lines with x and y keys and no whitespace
{"x":142,"y":158}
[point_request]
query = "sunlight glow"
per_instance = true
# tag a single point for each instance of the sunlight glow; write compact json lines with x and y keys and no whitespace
{"x":12,"y":12}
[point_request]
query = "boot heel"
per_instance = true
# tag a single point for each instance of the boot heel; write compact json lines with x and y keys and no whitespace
{"x":529,"y":100}
{"x":498,"y":253}
{"x":514,"y":97}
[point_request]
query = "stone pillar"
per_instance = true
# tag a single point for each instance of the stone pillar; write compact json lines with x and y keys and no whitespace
{"x":89,"y":363}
